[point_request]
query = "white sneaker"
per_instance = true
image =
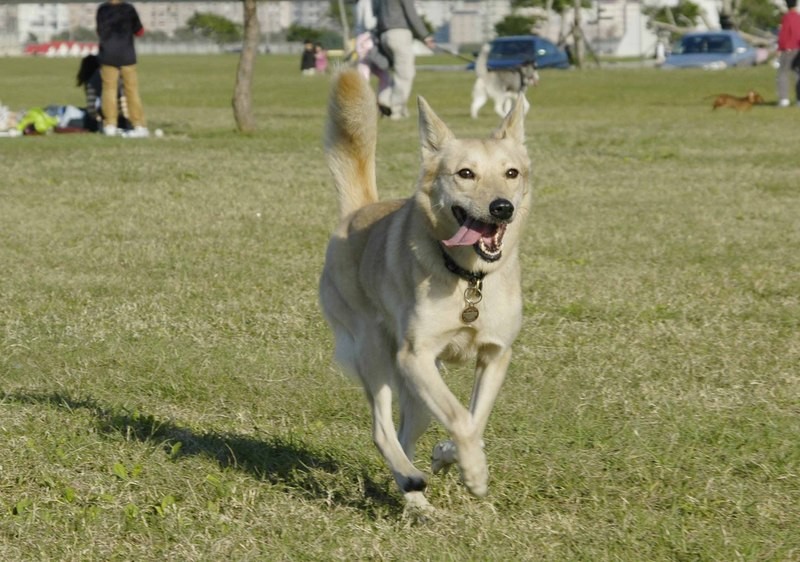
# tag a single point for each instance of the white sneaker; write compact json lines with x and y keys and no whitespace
{"x":783,"y":103}
{"x":398,"y":113}
{"x":110,"y":130}
{"x":138,"y":132}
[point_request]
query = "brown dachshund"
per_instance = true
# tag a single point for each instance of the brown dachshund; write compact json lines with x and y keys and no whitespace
{"x":739,"y":104}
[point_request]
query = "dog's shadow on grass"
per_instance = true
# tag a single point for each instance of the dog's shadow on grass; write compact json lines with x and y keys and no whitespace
{"x":288,"y":463}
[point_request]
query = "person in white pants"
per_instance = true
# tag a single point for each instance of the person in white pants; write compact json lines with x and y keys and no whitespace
{"x":398,"y":26}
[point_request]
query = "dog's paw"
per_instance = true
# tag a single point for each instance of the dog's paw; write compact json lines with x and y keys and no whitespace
{"x":443,"y":456}
{"x":474,"y":471}
{"x":413,"y":483}
{"x":476,"y":481}
{"x":417,"y":509}
{"x":471,"y":461}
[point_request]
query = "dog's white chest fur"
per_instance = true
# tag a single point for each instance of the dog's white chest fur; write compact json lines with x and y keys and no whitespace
{"x":497,"y":324}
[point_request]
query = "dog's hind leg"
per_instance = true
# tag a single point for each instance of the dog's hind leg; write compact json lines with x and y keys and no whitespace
{"x":411,"y":481}
{"x":479,"y":98}
{"x":408,"y":477}
{"x":503,"y":104}
{"x":414,"y":420}
{"x":376,"y":371}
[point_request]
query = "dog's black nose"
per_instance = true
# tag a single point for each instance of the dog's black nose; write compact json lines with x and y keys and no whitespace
{"x":501,"y":209}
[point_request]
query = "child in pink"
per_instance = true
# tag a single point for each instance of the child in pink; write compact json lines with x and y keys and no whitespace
{"x":320,"y":59}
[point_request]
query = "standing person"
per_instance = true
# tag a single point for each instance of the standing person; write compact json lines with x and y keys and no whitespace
{"x":117,"y":23}
{"x":398,"y":25}
{"x":308,"y":63}
{"x":788,"y":49}
{"x":320,"y":59}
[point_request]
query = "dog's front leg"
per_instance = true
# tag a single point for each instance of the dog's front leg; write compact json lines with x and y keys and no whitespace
{"x":490,"y":372}
{"x":421,"y":374}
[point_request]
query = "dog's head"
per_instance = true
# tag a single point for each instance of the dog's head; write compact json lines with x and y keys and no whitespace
{"x":475,"y":192}
{"x":754,"y":97}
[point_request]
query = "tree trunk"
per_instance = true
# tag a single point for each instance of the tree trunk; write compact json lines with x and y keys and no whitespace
{"x":242,"y":92}
{"x":577,"y":35}
{"x":345,"y":27}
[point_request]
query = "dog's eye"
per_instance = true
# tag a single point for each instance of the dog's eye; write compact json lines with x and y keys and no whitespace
{"x":512,"y":173}
{"x":466,"y":173}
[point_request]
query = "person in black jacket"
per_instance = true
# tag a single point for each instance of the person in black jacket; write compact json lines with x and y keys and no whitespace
{"x":117,"y":24}
{"x":308,"y":62}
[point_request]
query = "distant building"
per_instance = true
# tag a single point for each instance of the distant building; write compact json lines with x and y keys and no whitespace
{"x":41,"y":21}
{"x":616,"y":27}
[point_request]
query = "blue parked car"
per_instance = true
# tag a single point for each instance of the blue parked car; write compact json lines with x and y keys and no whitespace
{"x":516,"y":50}
{"x":711,"y":50}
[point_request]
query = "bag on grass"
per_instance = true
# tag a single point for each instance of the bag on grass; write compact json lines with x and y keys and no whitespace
{"x":36,"y":120}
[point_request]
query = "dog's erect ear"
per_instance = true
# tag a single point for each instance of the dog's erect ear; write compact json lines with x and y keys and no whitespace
{"x":433,"y":133}
{"x":513,"y":126}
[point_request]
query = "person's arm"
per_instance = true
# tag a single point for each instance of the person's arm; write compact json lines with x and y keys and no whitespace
{"x":99,"y":23}
{"x":138,"y":28}
{"x":795,"y":31}
{"x":415,"y":23}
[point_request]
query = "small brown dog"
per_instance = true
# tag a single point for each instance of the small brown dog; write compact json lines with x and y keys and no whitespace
{"x":739,"y":104}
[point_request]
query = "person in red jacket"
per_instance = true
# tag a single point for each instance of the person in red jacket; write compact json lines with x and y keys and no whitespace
{"x":788,"y":49}
{"x":117,"y":24}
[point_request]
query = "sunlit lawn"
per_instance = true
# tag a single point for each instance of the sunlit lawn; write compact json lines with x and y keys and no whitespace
{"x":166,"y":383}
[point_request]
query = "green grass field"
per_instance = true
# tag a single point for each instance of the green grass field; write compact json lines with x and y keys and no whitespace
{"x":166,"y":382}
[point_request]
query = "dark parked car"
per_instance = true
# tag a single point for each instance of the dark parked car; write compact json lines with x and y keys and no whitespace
{"x":712,"y":50}
{"x":516,"y":50}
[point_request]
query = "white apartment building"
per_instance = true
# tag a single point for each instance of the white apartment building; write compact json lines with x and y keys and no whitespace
{"x":42,"y":20}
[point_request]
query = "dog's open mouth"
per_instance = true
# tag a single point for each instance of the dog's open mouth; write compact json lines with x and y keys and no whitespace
{"x":486,"y":238}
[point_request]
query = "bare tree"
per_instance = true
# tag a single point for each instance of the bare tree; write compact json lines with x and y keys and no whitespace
{"x":345,"y":25}
{"x":242,"y":92}
{"x":577,"y":35}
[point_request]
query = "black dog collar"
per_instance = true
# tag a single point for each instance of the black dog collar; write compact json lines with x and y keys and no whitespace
{"x":453,"y":267}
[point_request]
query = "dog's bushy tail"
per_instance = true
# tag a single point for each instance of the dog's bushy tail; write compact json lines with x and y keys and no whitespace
{"x":350,"y":139}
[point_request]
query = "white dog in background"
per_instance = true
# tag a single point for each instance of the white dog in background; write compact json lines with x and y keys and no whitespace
{"x":502,"y":86}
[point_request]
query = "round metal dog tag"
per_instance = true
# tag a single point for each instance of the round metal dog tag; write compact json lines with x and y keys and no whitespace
{"x":469,"y":314}
{"x":473,"y":295}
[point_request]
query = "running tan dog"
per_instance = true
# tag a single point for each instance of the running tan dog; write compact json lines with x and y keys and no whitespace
{"x":435,"y":277}
{"x":739,"y":104}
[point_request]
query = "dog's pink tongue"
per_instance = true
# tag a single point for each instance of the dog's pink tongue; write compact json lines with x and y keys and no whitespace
{"x":469,"y":233}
